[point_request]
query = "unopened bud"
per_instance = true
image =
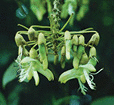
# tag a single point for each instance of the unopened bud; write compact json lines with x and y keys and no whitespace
{"x":19,"y":40}
{"x":33,"y":53}
{"x":63,"y":50}
{"x":84,"y":59}
{"x":41,"y":39}
{"x":62,"y":60}
{"x":81,"y":40}
{"x":25,"y":52}
{"x":56,"y":57}
{"x":74,"y":48}
{"x":63,"y":65}
{"x":75,"y":62}
{"x":68,"y":48}
{"x":80,"y":52}
{"x":32,"y":35}
{"x":67,"y":35}
{"x":75,"y":40}
{"x":42,"y":52}
{"x":45,"y":63}
{"x":92,"y":52}
{"x":20,"y":50}
{"x":94,"y":39}
{"x":97,"y":37}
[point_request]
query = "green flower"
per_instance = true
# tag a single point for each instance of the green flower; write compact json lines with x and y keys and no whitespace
{"x":30,"y":68}
{"x":83,"y":74}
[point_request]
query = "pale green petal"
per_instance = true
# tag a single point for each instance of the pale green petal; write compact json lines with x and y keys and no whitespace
{"x":36,"y":77}
{"x":47,"y":73}
{"x":68,"y":75}
{"x":24,"y":73}
{"x":30,"y":74}
{"x":89,"y":80}
{"x":36,"y":65}
{"x":89,"y":67}
{"x":27,"y":59}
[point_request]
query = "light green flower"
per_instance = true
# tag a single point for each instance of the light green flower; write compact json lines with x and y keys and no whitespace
{"x":30,"y":68}
{"x":83,"y":74}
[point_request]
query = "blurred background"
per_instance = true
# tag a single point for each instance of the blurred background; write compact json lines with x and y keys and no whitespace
{"x":99,"y":16}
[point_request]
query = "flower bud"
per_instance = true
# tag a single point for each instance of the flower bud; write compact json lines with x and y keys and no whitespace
{"x":20,"y":50}
{"x":84,"y":59}
{"x":63,"y":64}
{"x":74,"y":48}
{"x":80,"y":52}
{"x":81,"y":40}
{"x":45,"y":63}
{"x":92,"y":52}
{"x":67,"y":35}
{"x":32,"y":35}
{"x":19,"y":40}
{"x":63,"y":50}
{"x":68,"y":48}
{"x":56,"y":57}
{"x":62,"y":60}
{"x":94,"y":39}
{"x":33,"y":53}
{"x":97,"y":38}
{"x":41,"y":39}
{"x":75,"y":40}
{"x":75,"y":62}
{"x":42,"y":52}
{"x":25,"y":52}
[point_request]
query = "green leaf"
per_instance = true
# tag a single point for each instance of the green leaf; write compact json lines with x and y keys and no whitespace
{"x":10,"y":74}
{"x":109,"y":100}
{"x":66,"y":99}
{"x":2,"y":99}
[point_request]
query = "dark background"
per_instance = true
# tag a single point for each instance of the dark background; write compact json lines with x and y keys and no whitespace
{"x":100,"y":16}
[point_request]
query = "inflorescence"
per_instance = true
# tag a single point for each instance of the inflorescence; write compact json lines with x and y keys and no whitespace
{"x":33,"y":54}
{"x":41,"y":43}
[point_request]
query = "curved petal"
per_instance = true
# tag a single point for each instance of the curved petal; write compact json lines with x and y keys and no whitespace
{"x":28,"y":59}
{"x":47,"y":73}
{"x":36,"y":77}
{"x":68,"y":75}
{"x":89,"y":67}
{"x":89,"y":81}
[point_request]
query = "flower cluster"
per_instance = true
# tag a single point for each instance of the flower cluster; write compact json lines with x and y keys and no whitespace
{"x":31,"y":62}
{"x":83,"y":64}
{"x":33,"y":54}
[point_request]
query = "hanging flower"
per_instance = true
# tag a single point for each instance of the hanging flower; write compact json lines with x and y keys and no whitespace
{"x":30,"y":68}
{"x":83,"y":74}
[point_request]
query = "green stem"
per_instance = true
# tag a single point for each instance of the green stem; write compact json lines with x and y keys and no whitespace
{"x":23,"y":32}
{"x":23,"y":26}
{"x":66,"y":23}
{"x":38,"y":26}
{"x":80,"y":32}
